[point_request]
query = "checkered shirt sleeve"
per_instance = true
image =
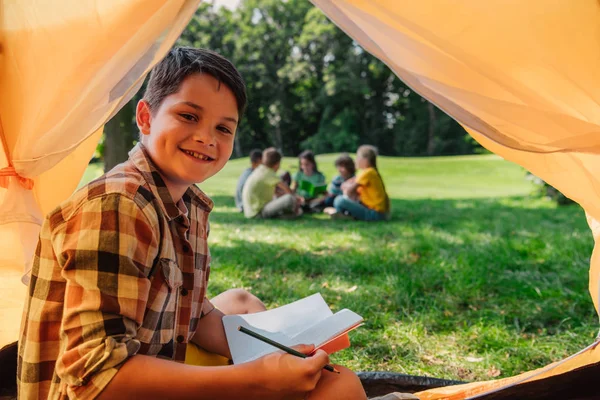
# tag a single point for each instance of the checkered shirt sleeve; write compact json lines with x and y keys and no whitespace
{"x":90,"y":279}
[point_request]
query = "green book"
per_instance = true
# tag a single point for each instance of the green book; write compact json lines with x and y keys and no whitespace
{"x":312,"y":189}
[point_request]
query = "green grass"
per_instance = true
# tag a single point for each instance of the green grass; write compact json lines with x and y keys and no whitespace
{"x":471,"y":279}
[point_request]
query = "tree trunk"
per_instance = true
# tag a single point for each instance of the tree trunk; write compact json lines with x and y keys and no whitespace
{"x":119,"y":135}
{"x":432,"y":126}
{"x":237,"y":146}
{"x":278,"y":138}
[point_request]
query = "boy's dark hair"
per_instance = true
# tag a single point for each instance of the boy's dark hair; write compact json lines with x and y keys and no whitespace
{"x":271,"y":157}
{"x":181,"y":62}
{"x":344,"y":160}
{"x":310,"y":157}
{"x":256,"y":156}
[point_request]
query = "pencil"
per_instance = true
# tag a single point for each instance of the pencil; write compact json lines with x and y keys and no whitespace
{"x":288,"y":350}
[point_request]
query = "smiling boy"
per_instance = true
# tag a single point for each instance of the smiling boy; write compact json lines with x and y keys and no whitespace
{"x":120,"y":273}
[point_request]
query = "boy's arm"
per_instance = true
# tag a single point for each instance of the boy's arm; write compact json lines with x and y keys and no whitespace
{"x":210,"y":333}
{"x":275,"y":376}
{"x":103,"y":251}
{"x":350,"y":187}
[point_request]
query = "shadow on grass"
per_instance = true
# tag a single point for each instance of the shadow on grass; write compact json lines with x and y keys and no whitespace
{"x":504,"y":261}
{"x":502,"y":278}
{"x":513,"y":216}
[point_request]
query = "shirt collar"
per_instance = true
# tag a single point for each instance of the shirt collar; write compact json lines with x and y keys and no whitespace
{"x":263,"y":167}
{"x":193,"y":195}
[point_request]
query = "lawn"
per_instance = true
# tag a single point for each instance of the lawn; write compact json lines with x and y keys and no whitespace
{"x":472,"y":278}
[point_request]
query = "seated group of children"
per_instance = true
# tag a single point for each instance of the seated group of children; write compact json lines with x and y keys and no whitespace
{"x":261,"y":193}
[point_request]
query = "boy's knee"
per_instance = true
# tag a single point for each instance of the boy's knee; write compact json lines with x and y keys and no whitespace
{"x":338,"y":201}
{"x":248,"y":303}
{"x":290,"y":201}
{"x":352,"y":382}
{"x":345,"y":386}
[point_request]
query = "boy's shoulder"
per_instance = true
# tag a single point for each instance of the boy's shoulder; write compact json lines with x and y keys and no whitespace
{"x":246,"y":173}
{"x":124,"y":181}
{"x":136,"y":183}
{"x":338,"y":180}
{"x":262,"y":175}
{"x":262,"y":172}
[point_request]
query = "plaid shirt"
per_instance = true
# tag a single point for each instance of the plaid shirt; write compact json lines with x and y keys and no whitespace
{"x":120,"y":269}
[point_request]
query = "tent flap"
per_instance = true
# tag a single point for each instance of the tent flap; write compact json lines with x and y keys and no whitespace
{"x":64,"y":71}
{"x":522,"y":77}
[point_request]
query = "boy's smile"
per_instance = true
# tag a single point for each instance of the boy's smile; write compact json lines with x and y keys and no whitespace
{"x":198,"y":156}
{"x":190,"y":136}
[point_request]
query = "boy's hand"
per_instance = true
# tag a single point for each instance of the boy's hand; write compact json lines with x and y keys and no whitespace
{"x":348,"y":183}
{"x":285,"y":376}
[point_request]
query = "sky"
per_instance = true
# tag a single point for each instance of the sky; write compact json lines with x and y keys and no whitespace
{"x":226,"y":3}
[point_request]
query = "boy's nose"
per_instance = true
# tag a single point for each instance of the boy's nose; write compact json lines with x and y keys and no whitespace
{"x":205,"y":135}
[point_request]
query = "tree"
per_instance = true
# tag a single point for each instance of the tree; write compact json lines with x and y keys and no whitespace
{"x":310,"y":86}
{"x":119,"y":136}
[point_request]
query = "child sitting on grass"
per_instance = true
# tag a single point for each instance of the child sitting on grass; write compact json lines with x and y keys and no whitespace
{"x":346,"y":169}
{"x":260,"y":188}
{"x":119,"y":278}
{"x":308,"y":172}
{"x":364,"y":197}
{"x":255,"y":159}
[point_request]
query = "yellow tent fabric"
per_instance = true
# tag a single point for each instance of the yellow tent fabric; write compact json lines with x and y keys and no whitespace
{"x":523,"y":77}
{"x":65,"y":69}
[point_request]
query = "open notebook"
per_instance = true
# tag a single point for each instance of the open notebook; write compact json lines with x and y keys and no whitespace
{"x":312,"y":189}
{"x":306,"y":321}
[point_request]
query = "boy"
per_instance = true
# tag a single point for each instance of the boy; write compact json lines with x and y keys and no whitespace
{"x":119,"y":278}
{"x":346,"y":169}
{"x":255,"y":159}
{"x":260,"y":187}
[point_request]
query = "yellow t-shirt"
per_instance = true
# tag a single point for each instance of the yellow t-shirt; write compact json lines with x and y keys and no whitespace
{"x":371,"y":191}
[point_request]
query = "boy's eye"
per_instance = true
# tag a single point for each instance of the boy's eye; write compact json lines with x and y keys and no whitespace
{"x":189,"y":117}
{"x":224,"y":129}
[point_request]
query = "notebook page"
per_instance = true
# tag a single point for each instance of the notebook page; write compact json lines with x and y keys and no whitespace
{"x":279,"y":324}
{"x":328,"y":328}
{"x":245,"y":348}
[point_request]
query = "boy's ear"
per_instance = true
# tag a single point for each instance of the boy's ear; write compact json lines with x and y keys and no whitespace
{"x":143,"y":117}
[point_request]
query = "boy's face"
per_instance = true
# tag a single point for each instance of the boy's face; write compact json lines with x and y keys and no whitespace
{"x":343,"y":172}
{"x":190,"y":136}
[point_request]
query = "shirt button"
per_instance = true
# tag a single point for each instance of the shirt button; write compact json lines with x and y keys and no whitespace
{"x":180,"y":339}
{"x":184,"y":292}
{"x":186,"y":248}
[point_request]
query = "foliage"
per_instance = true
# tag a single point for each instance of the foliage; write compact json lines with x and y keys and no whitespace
{"x":311,"y":86}
{"x":471,"y":279}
